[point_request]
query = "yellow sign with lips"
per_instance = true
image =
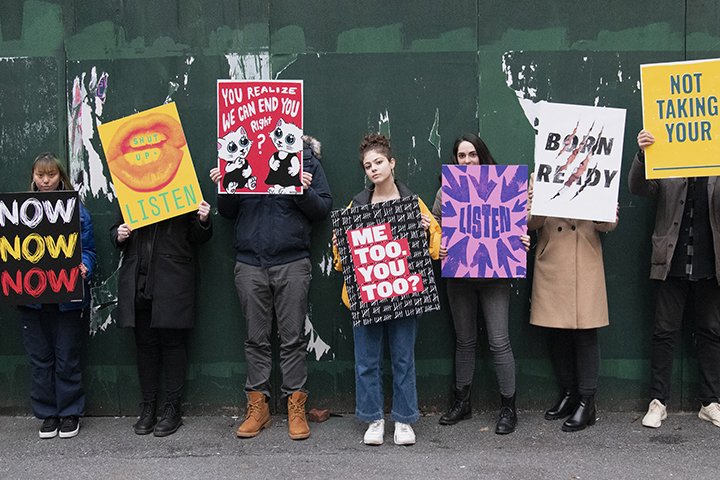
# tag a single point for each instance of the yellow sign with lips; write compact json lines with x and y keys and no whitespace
{"x":680,"y":109}
{"x":150,"y":164}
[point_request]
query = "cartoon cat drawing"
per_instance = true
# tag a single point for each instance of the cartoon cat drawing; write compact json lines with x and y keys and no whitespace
{"x":234,"y":148}
{"x":284,"y":173}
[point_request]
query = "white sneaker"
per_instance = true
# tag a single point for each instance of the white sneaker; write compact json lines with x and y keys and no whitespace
{"x":404,"y":434}
{"x":711,"y":413}
{"x":656,"y":414}
{"x":374,"y":433}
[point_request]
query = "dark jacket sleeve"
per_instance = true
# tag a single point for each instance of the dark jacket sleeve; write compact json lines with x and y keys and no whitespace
{"x":228,"y":205}
{"x":199,"y":233}
{"x":316,"y":201}
{"x":637,"y":182}
{"x":113,"y":230}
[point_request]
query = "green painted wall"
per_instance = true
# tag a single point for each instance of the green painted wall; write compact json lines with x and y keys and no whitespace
{"x":422,"y":71}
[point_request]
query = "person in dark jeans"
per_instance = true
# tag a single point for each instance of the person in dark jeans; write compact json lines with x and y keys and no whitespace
{"x":156,"y":297}
{"x":272,"y":276}
{"x":685,"y":266}
{"x":53,"y":333}
{"x":492,"y":295}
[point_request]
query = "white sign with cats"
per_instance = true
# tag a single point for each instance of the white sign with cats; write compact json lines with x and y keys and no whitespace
{"x":259,"y":136}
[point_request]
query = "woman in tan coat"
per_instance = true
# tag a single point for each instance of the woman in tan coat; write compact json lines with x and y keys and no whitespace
{"x":569,"y":299}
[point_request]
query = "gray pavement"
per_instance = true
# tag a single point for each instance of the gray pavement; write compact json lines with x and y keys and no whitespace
{"x":617,"y":447}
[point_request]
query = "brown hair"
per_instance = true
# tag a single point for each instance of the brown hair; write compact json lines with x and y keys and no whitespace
{"x":377,"y":142}
{"x":49,"y":161}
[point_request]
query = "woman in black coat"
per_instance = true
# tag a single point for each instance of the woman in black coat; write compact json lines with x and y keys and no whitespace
{"x":156,"y":297}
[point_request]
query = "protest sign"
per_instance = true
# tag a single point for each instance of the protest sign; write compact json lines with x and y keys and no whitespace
{"x":259,"y":136}
{"x":680,"y":109}
{"x":386,"y":264}
{"x":483,"y":215}
{"x":578,"y":154}
{"x":150,"y":164}
{"x":40,"y":247}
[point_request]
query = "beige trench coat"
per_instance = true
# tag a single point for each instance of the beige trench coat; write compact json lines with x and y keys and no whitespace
{"x":569,"y":281}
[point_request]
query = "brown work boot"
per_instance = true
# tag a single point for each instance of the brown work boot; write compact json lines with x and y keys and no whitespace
{"x":257,"y":416}
{"x":298,"y":428}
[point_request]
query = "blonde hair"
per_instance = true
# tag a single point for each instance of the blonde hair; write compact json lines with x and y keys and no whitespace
{"x":49,"y":161}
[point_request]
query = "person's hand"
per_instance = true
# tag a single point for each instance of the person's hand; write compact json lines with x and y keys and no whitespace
{"x":215,"y":175}
{"x":425,"y":221}
{"x":83,"y":271}
{"x":123,"y":232}
{"x":334,"y":241}
{"x":306,"y":180}
{"x":443,"y":252}
{"x":617,"y":213}
{"x":525,"y":239}
{"x":645,"y":139}
{"x":203,"y":211}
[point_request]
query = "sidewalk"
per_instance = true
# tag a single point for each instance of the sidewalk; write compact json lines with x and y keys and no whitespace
{"x":616,"y":447}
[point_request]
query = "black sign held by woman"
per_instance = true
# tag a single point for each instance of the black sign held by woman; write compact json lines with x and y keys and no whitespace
{"x":40,"y":250}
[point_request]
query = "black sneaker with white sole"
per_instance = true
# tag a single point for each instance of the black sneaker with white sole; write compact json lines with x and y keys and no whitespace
{"x":69,"y":427}
{"x":49,"y":427}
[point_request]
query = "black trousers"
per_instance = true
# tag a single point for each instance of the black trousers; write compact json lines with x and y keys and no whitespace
{"x":575,"y":357}
{"x":673,"y":295}
{"x":159,"y":350}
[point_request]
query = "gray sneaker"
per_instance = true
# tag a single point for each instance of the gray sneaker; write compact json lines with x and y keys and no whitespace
{"x":711,"y":413}
{"x":657,"y":412}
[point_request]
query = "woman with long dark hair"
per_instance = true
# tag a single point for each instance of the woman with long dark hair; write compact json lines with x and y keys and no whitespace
{"x":464,"y":296}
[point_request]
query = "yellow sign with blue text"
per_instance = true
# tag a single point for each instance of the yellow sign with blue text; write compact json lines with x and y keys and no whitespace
{"x":150,"y":164}
{"x":680,"y":109}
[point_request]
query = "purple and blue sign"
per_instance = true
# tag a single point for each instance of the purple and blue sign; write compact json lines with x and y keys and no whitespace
{"x":483,"y":216}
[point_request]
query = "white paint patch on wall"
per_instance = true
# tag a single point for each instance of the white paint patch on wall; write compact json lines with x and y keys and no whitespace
{"x":248,"y":66}
{"x":384,"y":123}
{"x":315,"y":343}
{"x":435,"y":139}
{"x":85,"y":108}
{"x":326,"y":264}
{"x":11,"y":59}
{"x":523,"y":83}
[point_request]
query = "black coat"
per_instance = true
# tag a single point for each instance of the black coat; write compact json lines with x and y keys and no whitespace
{"x":171,"y":270}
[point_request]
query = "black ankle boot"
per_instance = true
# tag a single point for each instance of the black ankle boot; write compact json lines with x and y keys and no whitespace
{"x":583,"y":416}
{"x":170,"y":421}
{"x":508,"y":416}
{"x":461,"y":408}
{"x":566,"y":404}
{"x":147,"y":419}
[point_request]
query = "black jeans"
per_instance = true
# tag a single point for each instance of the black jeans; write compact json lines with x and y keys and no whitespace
{"x":575,"y":357}
{"x":673,"y":295}
{"x":159,"y":350}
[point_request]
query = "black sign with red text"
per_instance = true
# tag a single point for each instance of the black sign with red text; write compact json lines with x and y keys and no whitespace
{"x":40,"y":247}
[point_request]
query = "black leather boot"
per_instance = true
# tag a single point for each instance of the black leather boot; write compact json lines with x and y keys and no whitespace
{"x":461,"y":408}
{"x":170,"y":421}
{"x":566,"y":404}
{"x":146,"y":421}
{"x":508,"y":416}
{"x":583,"y":416}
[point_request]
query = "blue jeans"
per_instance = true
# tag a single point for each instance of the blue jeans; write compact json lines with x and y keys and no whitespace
{"x":368,"y":339}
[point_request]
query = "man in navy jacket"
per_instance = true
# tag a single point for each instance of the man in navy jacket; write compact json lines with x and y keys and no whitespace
{"x":272,"y":277}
